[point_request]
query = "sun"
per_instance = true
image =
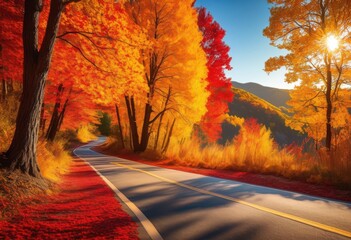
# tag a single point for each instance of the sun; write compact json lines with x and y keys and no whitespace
{"x":332,"y":43}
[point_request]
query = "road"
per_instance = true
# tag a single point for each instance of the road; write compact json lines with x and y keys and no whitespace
{"x":183,"y":205}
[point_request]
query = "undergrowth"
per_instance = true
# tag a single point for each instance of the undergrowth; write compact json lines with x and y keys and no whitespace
{"x":53,"y":159}
{"x":254,"y":150}
{"x":86,"y":133}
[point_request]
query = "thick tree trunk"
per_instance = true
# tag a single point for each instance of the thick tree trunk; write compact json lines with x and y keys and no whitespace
{"x":22,"y":152}
{"x":119,"y":126}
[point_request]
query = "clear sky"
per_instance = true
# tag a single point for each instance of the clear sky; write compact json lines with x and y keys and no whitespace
{"x":244,"y":21}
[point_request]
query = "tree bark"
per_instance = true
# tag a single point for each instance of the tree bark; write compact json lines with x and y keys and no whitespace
{"x":119,"y":126}
{"x":22,"y":152}
{"x":165,"y":136}
{"x":161,"y":118}
{"x":145,"y":134}
{"x":42,"y":119}
{"x":132,"y":123}
{"x":62,"y":115}
{"x":328,"y":138}
{"x":4,"y":91}
{"x":169,"y":137}
{"x":54,"y":122}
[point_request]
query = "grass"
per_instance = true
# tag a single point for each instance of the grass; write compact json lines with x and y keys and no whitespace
{"x":85,"y":133}
{"x":254,"y":150}
{"x":53,"y":159}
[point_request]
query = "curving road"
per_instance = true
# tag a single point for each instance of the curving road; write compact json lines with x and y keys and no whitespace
{"x":183,"y":205}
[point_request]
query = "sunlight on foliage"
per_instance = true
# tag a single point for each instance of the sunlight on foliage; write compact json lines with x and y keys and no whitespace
{"x":53,"y":159}
{"x":254,"y":150}
{"x":85,"y":133}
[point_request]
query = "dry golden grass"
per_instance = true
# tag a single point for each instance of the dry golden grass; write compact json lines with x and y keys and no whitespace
{"x":53,"y":159}
{"x":257,"y":153}
{"x":8,"y":112}
{"x":254,"y":150}
{"x":85,"y":133}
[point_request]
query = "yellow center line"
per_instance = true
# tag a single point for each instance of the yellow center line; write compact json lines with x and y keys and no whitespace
{"x":265,"y":209}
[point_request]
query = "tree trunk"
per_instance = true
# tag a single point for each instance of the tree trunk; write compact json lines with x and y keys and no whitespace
{"x":22,"y":152}
{"x":54,"y":122}
{"x":161,"y":118}
{"x":119,"y":126}
{"x":165,"y":136}
{"x":169,"y":137}
{"x":62,"y":115}
{"x":145,"y":134}
{"x":328,"y":138}
{"x":4,"y":91}
{"x":42,"y":119}
{"x":10,"y":86}
{"x":132,"y":123}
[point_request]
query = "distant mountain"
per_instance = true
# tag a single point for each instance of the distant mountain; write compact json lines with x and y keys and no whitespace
{"x":277,"y":97}
{"x":248,"y":105}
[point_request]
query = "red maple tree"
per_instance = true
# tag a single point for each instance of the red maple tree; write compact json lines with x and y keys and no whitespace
{"x":219,"y":85}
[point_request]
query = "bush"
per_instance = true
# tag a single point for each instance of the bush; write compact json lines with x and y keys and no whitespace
{"x":53,"y":159}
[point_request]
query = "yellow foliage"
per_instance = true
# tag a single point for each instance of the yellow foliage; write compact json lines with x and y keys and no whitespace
{"x":249,"y":151}
{"x":53,"y":159}
{"x":85,"y":133}
{"x":8,"y":112}
{"x":234,"y":120}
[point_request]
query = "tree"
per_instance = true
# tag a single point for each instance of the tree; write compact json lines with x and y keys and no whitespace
{"x":22,"y":152}
{"x":104,"y":125}
{"x":219,"y":86}
{"x":175,"y":72}
{"x":303,"y":28}
{"x":111,"y":43}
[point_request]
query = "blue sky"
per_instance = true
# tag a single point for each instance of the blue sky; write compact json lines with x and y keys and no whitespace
{"x":244,"y":21}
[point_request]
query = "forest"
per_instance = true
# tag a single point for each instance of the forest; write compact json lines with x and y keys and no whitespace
{"x":151,"y":76}
{"x":158,"y":69}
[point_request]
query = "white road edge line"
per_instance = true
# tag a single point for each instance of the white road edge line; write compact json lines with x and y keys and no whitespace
{"x":148,"y":226}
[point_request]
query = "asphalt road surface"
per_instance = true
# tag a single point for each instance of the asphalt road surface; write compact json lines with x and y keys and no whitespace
{"x":184,"y":205}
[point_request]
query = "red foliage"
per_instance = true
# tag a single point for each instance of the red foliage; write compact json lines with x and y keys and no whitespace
{"x":85,"y":208}
{"x":219,"y":85}
{"x":252,"y":127}
{"x":11,"y":56}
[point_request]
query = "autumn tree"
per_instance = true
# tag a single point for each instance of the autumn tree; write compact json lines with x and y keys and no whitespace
{"x":36,"y":62}
{"x":111,"y":44}
{"x":219,"y":85}
{"x":315,"y":35}
{"x":174,"y":73}
{"x":22,"y":152}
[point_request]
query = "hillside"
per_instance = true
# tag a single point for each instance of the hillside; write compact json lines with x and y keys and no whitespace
{"x":277,"y":97}
{"x":248,"y":105}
